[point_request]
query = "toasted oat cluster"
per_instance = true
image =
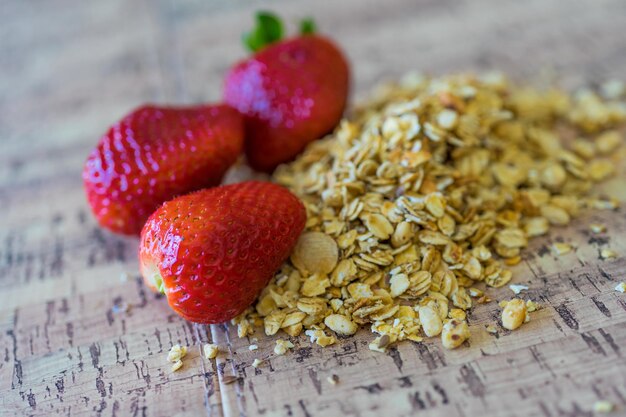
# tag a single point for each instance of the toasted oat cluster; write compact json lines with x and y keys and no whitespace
{"x":429,"y":192}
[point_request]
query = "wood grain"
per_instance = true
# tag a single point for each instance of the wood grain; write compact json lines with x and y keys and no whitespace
{"x":68,"y":68}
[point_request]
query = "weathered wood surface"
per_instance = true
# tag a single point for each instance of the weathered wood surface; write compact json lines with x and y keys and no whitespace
{"x":68,"y":68}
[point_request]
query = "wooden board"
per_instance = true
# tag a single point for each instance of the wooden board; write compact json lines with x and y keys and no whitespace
{"x":68,"y":68}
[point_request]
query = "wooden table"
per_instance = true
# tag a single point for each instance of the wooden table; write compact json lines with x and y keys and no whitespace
{"x":68,"y":68}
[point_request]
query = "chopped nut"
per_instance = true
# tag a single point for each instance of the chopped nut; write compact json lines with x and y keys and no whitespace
{"x":253,"y":347}
{"x":603,"y":406}
{"x":532,"y":306}
{"x":282,"y":346}
{"x":514,"y":314}
{"x":333,"y":379}
{"x":608,"y":253}
{"x":177,"y":365}
{"x":210,"y":350}
{"x":257,"y":362}
{"x":457,"y":313}
{"x":380,"y":344}
{"x":176,"y":353}
{"x":561,"y":248}
{"x":319,"y":337}
{"x":621,"y":287}
{"x":454,"y":333}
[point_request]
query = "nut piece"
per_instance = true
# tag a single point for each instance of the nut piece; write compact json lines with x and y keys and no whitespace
{"x":514,"y":314}
{"x":603,"y":406}
{"x":176,"y":353}
{"x":380,"y":344}
{"x":454,"y":333}
{"x":177,"y":365}
{"x":608,"y":253}
{"x":341,"y":324}
{"x":257,"y":362}
{"x":430,"y":321}
{"x":561,"y":248}
{"x":210,"y":350}
{"x":621,"y":287}
{"x":282,"y":346}
{"x":315,"y":252}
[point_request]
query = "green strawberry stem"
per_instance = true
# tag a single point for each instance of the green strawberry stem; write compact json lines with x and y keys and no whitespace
{"x":269,"y":29}
{"x":307,"y":26}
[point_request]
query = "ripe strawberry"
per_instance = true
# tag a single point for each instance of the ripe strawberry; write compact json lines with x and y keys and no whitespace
{"x":211,"y":252}
{"x":290,"y":92}
{"x":156,"y":153}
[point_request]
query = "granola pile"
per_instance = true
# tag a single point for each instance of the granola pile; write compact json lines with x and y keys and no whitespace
{"x":429,"y":194}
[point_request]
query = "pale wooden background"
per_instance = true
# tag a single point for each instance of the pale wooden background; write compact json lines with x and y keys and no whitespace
{"x":68,"y":68}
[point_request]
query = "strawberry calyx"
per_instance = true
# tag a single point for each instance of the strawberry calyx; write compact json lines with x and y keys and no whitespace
{"x":269,"y":29}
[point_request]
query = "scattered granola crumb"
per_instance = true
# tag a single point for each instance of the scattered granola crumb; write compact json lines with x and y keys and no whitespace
{"x":532,"y":306}
{"x":491,"y":329}
{"x":514,"y":314}
{"x":597,"y":228}
{"x":457,"y":313}
{"x":484,"y":299}
{"x":282,"y":346}
{"x":210,"y":350}
{"x":608,"y":254}
{"x":559,"y":248}
{"x":177,"y":365}
{"x":176,"y":353}
{"x":380,"y":344}
{"x":253,"y":347}
{"x":518,"y":288}
{"x":257,"y":362}
{"x":621,"y":287}
{"x":333,"y":379}
{"x":603,"y":406}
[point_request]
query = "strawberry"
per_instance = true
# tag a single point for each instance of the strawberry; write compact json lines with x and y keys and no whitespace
{"x":212,"y":252}
{"x":156,"y":153}
{"x":290,"y":92}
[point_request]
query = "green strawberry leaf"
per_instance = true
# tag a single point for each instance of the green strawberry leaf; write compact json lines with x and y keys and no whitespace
{"x":268,"y":29}
{"x":307,"y":26}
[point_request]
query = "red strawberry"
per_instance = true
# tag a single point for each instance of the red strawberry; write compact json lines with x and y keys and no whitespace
{"x":156,"y":153}
{"x":291,"y":93}
{"x":213,"y":251}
